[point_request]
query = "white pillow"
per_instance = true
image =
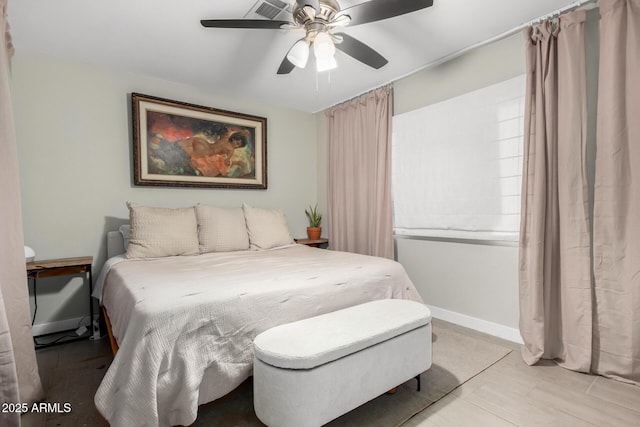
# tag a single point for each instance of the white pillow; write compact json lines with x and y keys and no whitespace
{"x":160,"y":232}
{"x":221,"y":229}
{"x":267,"y":228}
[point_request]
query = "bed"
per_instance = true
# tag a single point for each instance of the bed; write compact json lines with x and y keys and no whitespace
{"x":185,"y":325}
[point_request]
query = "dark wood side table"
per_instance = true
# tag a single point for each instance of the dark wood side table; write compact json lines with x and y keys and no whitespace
{"x":314,"y":243}
{"x":60,"y":267}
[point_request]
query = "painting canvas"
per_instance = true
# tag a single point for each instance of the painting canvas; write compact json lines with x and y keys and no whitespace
{"x":186,"y":145}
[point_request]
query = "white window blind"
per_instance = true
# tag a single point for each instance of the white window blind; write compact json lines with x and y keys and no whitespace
{"x":457,"y":165}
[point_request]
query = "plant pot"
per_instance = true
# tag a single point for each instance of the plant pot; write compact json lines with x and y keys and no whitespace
{"x":314,"y":232}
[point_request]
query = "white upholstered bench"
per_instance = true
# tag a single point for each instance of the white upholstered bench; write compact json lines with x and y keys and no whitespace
{"x":309,"y":372}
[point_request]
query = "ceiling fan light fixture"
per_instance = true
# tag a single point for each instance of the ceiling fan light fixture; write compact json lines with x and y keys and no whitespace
{"x":317,"y":19}
{"x":323,"y":45}
{"x":299,"y":54}
{"x":324,"y":51}
{"x":326,"y":64}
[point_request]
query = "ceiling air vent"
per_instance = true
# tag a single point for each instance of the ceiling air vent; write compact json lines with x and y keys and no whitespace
{"x":270,"y":9}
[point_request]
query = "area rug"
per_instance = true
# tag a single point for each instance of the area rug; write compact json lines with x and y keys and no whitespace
{"x":456,"y":359}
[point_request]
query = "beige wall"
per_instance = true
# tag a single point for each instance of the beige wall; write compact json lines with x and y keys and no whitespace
{"x":476,"y":69}
{"x":475,"y":285}
{"x":73,"y":125}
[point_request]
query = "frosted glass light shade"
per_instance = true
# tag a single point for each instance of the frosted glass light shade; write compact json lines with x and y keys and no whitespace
{"x":326,"y":64}
{"x":299,"y":54}
{"x":323,"y":45}
{"x":324,"y":51}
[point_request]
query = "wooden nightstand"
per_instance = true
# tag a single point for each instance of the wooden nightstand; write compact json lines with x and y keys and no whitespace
{"x":60,"y":267}
{"x":314,"y":243}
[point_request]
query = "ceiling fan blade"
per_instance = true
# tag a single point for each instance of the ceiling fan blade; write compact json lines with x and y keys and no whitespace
{"x":313,"y":3}
{"x":360,"y":51}
{"x":377,"y":10}
{"x":286,"y":66}
{"x":263,"y":24}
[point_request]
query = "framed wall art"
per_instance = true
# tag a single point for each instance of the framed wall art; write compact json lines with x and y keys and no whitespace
{"x":176,"y":144}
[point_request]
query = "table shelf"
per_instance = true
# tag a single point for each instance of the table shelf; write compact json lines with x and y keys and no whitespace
{"x":60,"y":267}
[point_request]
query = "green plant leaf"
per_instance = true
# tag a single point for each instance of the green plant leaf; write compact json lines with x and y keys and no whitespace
{"x":315,"y":217}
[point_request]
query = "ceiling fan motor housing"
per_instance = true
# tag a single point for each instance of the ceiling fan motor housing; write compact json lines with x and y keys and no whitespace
{"x":317,"y":22}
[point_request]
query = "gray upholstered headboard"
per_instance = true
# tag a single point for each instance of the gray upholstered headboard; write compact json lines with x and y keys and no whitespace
{"x":115,"y":244}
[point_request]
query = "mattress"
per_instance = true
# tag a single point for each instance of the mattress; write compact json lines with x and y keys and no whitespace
{"x":185,"y":325}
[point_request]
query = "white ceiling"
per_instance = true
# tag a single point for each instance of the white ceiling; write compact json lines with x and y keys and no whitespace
{"x":164,"y":38}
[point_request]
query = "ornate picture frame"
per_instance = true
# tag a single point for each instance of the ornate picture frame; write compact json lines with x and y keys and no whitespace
{"x":177,"y":144}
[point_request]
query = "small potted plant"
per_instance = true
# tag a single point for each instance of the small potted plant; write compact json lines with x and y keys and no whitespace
{"x":315,"y":218}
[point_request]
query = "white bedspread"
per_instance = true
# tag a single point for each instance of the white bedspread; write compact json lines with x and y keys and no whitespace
{"x":185,"y":325}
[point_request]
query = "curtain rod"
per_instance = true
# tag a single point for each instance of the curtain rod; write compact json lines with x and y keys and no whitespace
{"x":571,"y":7}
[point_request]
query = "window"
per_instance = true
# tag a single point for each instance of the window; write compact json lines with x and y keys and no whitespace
{"x":457,"y":165}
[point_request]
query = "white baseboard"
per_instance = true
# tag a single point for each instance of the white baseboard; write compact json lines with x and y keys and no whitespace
{"x":480,"y":325}
{"x":60,"y":326}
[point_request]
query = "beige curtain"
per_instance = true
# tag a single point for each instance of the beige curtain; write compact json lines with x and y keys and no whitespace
{"x":18,"y":356}
{"x":554,"y":270}
{"x":359,"y":213}
{"x":616,"y":236}
{"x":8,"y":375}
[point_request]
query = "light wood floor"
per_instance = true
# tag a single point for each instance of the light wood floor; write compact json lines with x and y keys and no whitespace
{"x":509,"y":393}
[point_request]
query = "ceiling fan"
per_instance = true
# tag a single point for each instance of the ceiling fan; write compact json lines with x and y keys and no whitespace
{"x":319,"y":18}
